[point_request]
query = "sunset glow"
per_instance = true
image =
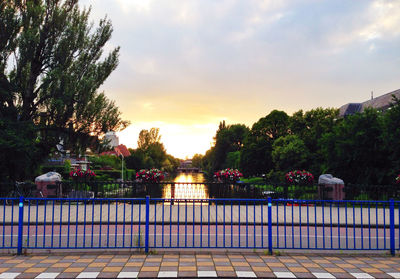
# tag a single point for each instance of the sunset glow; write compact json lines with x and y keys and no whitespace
{"x":187,"y":65}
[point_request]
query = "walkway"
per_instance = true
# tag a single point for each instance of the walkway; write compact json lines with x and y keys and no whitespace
{"x":172,"y":265}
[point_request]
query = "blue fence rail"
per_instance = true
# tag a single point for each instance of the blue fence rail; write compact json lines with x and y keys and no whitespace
{"x":147,"y":223}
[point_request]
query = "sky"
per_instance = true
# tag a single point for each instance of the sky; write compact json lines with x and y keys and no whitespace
{"x":187,"y":65}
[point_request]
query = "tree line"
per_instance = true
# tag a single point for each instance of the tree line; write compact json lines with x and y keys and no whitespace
{"x":362,"y":148}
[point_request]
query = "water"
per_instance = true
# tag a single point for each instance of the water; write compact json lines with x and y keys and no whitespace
{"x":187,"y":190}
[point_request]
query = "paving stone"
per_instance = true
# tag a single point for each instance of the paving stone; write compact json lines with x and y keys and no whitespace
{"x":9,"y":275}
{"x":151,"y":263}
{"x":303,"y":275}
{"x":107,"y":275}
{"x":246,"y":274}
{"x":130,"y":269}
{"x":341,"y":275}
{"x":228,"y":274}
{"x":323,"y":275}
{"x":243,"y":268}
{"x":167,"y":274}
{"x":148,"y":274}
{"x":380,"y":275}
{"x":279,"y":269}
{"x":169,"y":268}
{"x":47,"y":275}
{"x":293,"y":264}
{"x":206,"y":268}
{"x":187,"y":268}
{"x":116,"y":264}
{"x":207,"y":274}
{"x":361,"y":275}
{"x":55,"y":269}
{"x":127,"y":274}
{"x":88,"y":275}
{"x":28,"y":275}
{"x":67,"y":275}
{"x":190,"y":274}
{"x":284,"y":275}
{"x":149,"y":268}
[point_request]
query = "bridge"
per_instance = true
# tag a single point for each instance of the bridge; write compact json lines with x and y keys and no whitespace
{"x":189,"y":170}
{"x":187,"y":166}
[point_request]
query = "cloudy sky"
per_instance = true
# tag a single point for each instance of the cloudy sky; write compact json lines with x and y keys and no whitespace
{"x":186,"y":65}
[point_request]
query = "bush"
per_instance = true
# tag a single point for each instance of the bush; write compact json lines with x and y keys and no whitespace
{"x":130,"y":174}
{"x":106,"y":174}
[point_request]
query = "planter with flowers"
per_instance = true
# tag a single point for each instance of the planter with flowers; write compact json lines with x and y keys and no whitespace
{"x":82,"y":179}
{"x":298,"y":180}
{"x":149,"y":179}
{"x":228,"y":175}
{"x":150,"y":176}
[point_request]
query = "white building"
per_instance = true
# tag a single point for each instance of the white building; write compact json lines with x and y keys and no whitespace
{"x":112,"y":138}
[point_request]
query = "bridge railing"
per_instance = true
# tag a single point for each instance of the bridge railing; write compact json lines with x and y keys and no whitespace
{"x":147,"y":223}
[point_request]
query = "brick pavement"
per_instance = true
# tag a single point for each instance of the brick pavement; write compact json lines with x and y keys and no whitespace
{"x":218,"y":264}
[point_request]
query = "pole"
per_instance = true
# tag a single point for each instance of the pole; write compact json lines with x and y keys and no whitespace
{"x":270,"y":225}
{"x":392,"y":236}
{"x":146,"y":237}
{"x":20,"y":224}
{"x":122,"y":168}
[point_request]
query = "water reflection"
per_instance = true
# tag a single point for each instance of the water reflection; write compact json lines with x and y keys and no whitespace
{"x":188,"y":190}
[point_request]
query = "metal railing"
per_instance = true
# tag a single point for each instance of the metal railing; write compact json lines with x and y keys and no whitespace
{"x":147,"y":223}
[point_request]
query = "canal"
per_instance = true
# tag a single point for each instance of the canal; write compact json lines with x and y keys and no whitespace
{"x":187,"y":190}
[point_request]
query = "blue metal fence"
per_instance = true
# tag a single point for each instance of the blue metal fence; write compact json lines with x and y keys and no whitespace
{"x":146,"y":223}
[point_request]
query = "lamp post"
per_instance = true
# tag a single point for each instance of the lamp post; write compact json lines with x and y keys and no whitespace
{"x":122,"y":168}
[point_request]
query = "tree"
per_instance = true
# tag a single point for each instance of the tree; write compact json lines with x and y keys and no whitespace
{"x":289,"y":152}
{"x":196,"y":160}
{"x":354,"y":150}
{"x":309,"y":127}
{"x":256,"y":157}
{"x":391,"y":132}
{"x":50,"y":70}
{"x":147,"y":138}
{"x":273,"y":126}
{"x":227,"y":139}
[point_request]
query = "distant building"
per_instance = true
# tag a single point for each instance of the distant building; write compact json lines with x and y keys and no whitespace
{"x":381,"y":103}
{"x":112,"y":138}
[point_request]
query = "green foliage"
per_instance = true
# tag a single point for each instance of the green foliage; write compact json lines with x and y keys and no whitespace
{"x":151,"y":153}
{"x":197,"y":160}
{"x":107,"y":174}
{"x":256,"y":154}
{"x":228,"y":139}
{"x":232,"y":160}
{"x":51,"y":65}
{"x":103,"y":161}
{"x":148,"y":138}
{"x":130,"y":174}
{"x":355,"y":149}
{"x":289,"y":152}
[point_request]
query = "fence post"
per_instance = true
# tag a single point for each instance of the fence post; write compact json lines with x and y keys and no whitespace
{"x":392,"y":237}
{"x":20,"y":224}
{"x":146,"y":237}
{"x":270,"y":225}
